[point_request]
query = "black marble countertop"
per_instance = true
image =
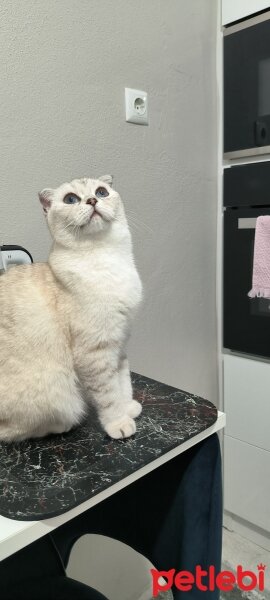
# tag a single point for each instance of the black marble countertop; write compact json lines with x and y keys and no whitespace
{"x":46,"y":477}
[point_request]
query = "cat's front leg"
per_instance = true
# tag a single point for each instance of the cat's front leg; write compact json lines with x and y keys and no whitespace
{"x":133,"y":407}
{"x":112,"y":408}
{"x":99,"y":375}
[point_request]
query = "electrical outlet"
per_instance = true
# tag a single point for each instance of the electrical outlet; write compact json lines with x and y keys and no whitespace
{"x":13,"y":255}
{"x":136,"y":106}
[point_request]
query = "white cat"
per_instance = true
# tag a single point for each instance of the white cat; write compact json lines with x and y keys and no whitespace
{"x":64,"y":325}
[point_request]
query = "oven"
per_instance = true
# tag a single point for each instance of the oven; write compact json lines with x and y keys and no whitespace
{"x":247,"y":87}
{"x":246,"y":321}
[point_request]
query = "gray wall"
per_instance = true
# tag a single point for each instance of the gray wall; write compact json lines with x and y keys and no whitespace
{"x":64,"y":65}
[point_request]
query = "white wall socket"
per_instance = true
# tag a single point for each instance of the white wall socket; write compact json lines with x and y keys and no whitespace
{"x":11,"y":256}
{"x":136,"y":106}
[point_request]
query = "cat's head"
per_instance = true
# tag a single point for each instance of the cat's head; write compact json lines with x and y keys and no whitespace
{"x":82,"y":209}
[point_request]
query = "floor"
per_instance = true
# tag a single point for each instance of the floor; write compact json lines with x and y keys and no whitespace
{"x":125,"y":574}
{"x":238,"y":550}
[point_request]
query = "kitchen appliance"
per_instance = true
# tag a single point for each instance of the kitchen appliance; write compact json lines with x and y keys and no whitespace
{"x":246,"y":321}
{"x":247,"y":87}
{"x":11,"y":255}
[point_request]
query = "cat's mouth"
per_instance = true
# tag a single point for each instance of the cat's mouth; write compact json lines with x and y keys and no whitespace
{"x":95,"y":214}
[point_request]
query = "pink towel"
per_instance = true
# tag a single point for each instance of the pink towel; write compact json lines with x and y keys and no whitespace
{"x":261,"y":261}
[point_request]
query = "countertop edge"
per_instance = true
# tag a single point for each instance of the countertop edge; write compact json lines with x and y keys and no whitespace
{"x":15,"y":535}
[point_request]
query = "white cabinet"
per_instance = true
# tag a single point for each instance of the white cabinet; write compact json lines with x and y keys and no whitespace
{"x":247,"y":439}
{"x":247,"y":400}
{"x":246,"y":482}
{"x":232,"y":10}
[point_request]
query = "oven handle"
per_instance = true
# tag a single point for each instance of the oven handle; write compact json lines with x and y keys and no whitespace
{"x":247,"y":223}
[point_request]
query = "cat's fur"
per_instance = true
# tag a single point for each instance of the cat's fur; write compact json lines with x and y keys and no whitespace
{"x":64,"y":324}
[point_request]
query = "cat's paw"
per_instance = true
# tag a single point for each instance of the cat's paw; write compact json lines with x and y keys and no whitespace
{"x":121,"y":428}
{"x":134,"y":408}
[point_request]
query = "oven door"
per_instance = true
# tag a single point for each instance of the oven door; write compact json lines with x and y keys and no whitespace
{"x":246,"y":321}
{"x":247,"y":87}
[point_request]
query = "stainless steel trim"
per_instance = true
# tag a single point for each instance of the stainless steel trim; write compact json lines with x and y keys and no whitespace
{"x":247,"y":223}
{"x":258,"y":150}
{"x":247,"y":23}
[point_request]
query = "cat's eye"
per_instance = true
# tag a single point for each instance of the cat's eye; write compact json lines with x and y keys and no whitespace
{"x":101,"y":192}
{"x":71,"y":199}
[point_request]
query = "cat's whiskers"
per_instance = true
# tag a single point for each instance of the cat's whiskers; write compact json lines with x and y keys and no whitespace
{"x":131,"y":224}
{"x":69,"y":225}
{"x":137,"y":223}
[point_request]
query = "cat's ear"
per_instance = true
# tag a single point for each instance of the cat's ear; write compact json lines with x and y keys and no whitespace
{"x":107,"y":179}
{"x":45,"y":199}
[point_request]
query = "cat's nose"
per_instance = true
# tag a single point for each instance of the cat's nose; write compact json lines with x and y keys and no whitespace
{"x":91,"y":201}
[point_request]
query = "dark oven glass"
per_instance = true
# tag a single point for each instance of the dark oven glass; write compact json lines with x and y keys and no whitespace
{"x":247,"y":86}
{"x":246,"y":323}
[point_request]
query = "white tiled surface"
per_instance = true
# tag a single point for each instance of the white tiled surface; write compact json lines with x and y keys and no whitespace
{"x":238,"y":550}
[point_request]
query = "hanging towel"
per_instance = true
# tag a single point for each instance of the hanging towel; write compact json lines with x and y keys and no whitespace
{"x":261,"y":261}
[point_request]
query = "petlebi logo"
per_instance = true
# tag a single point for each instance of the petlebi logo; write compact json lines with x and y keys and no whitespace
{"x":209,"y":580}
